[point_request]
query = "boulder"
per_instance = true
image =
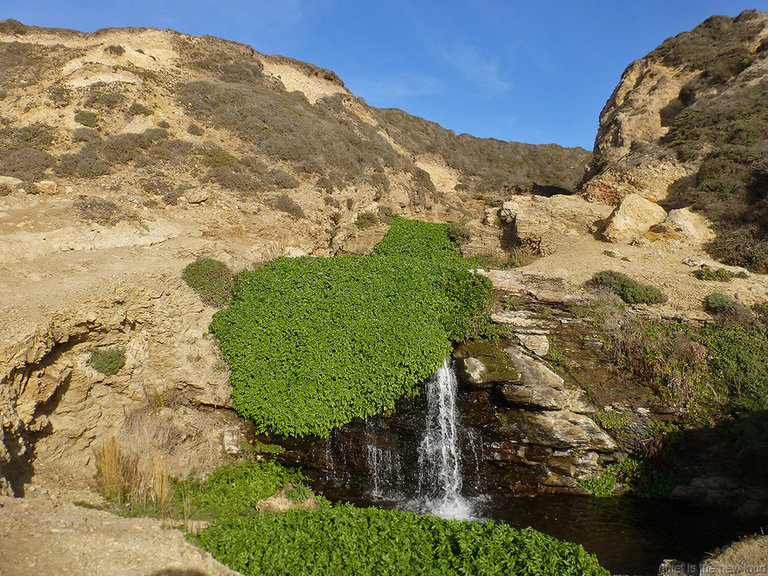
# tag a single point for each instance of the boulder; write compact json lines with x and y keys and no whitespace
{"x":558,"y":430}
{"x":536,"y":343}
{"x":482,"y":364}
{"x":198,"y":196}
{"x":47,"y":187}
{"x":632,"y":219}
{"x":689,"y":225}
{"x":9,"y":182}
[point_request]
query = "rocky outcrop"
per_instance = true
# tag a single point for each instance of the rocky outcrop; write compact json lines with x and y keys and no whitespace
{"x":55,"y":407}
{"x":545,"y":224}
{"x":643,"y":175}
{"x":542,"y":436}
{"x":640,"y":107}
{"x":632,"y":219}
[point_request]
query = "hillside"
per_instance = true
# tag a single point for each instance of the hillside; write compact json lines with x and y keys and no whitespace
{"x":146,"y":116}
{"x":687,"y":126}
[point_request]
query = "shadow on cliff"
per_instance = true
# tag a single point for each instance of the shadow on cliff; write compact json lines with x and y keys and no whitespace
{"x":21,"y":444}
{"x":726,"y":464}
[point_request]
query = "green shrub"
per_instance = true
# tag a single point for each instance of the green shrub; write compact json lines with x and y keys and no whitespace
{"x":345,"y":540}
{"x":313,"y":342}
{"x":718,"y":303}
{"x":164,"y":124}
{"x":115,"y":50}
{"x":109,"y":100}
{"x":286,"y":204}
{"x":87,"y":118}
{"x":739,"y":362}
{"x":195,"y":130}
{"x":717,"y":275}
{"x":366,"y":220}
{"x":138,"y":109}
{"x":458,"y":232}
{"x":234,"y":490}
{"x":629,"y":290}
{"x":211,"y":279}
{"x":108,"y":361}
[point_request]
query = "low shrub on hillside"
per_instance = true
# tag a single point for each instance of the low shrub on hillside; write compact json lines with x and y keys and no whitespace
{"x":87,"y":118}
{"x":459,"y":232}
{"x":286,"y":204}
{"x":138,"y":109}
{"x":366,"y":220}
{"x":717,"y":275}
{"x":115,"y":50}
{"x":706,"y":371}
{"x":314,"y":342}
{"x":99,"y":98}
{"x":24,"y":150}
{"x":345,"y":540}
{"x":629,"y":290}
{"x":101,"y":210}
{"x":211,"y":279}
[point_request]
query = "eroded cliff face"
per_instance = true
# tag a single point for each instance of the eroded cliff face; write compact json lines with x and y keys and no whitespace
{"x":56,"y":408}
{"x":637,"y":116}
{"x":632,"y":151}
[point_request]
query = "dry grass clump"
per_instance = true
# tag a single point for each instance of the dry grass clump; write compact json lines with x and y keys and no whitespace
{"x":749,"y":556}
{"x":138,"y":478}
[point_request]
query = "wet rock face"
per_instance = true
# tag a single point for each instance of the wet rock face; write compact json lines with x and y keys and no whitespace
{"x":522,"y":428}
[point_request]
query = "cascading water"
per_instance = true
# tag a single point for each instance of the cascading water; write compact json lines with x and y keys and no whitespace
{"x":440,"y":478}
{"x":385,"y":469}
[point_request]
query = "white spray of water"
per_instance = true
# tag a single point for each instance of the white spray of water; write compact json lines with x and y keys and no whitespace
{"x":440,"y":478}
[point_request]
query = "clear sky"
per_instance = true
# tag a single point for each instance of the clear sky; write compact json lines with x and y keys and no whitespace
{"x":528,"y":71}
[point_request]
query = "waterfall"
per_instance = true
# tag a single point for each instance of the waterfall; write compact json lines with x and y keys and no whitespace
{"x":440,"y":478}
{"x":385,"y":469}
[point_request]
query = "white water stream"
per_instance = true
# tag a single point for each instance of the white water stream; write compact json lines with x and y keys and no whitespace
{"x":440,"y":479}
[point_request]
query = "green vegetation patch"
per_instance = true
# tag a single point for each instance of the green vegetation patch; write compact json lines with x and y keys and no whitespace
{"x":87,"y":118}
{"x":717,"y":274}
{"x":361,"y":541}
{"x":710,"y":371}
{"x":108,"y":361}
{"x":314,"y":342}
{"x":629,"y":290}
{"x":211,"y":279}
{"x":233,"y":491}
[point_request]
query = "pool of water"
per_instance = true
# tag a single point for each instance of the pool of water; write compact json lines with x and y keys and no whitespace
{"x":628,"y":535}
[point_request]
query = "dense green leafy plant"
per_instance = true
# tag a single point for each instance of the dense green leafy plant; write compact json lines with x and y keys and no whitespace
{"x":602,"y":485}
{"x":365,"y":541}
{"x":629,"y":290}
{"x":211,"y":279}
{"x":108,"y":361}
{"x":314,"y":342}
{"x":234,"y":490}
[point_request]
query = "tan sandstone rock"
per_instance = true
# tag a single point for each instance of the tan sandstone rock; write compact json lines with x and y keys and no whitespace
{"x":633,"y":218}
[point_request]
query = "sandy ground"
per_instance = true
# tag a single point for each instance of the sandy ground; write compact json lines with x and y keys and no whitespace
{"x":45,"y":534}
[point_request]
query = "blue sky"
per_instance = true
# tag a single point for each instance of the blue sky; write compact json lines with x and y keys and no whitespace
{"x":535,"y":72}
